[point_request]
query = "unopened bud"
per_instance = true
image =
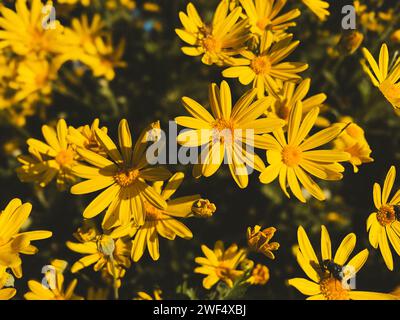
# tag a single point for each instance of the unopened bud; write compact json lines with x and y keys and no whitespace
{"x":203,"y":208}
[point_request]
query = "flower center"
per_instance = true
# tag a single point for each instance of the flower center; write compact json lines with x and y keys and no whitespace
{"x":211,"y":44}
{"x":333,"y":289}
{"x":126,"y":177}
{"x":391,"y":92}
{"x":224,"y":130}
{"x":65,"y":157}
{"x":263,"y":23}
{"x":386,"y":215}
{"x":222,"y":124}
{"x":261,"y":65}
{"x":152,"y":213}
{"x":291,"y":156}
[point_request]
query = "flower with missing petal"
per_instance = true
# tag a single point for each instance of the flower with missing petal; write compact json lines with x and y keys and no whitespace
{"x":387,"y":80}
{"x":259,"y":240}
{"x":324,"y":284}
{"x":122,"y":175}
{"x":266,"y":68}
{"x":384,"y":223}
{"x":293,"y":159}
{"x":226,"y":134}
{"x":48,"y":160}
{"x":217,"y":42}
{"x":220,"y":264}
{"x":12,"y":241}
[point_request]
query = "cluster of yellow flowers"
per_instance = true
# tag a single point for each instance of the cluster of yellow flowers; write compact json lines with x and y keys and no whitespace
{"x":135,"y":200}
{"x":33,"y":48}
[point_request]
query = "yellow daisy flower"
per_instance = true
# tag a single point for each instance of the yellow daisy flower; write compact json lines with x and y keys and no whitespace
{"x":161,"y":222}
{"x":55,"y":289}
{"x":6,"y":280}
{"x":383,"y":77}
{"x":224,"y":132}
{"x":263,"y":15}
{"x":291,"y":93}
{"x":102,"y":251}
{"x":106,"y":58}
{"x":85,"y":137}
{"x":123,"y":177}
{"x":217,"y":42}
{"x":12,"y":241}
{"x":33,"y":76}
{"x":266,"y":69}
{"x":384,"y":223}
{"x":352,"y":140}
{"x":46,"y":161}
{"x":318,"y":7}
{"x":292,"y":158}
{"x":22,"y":30}
{"x":220,"y":264}
{"x":259,"y":240}
{"x":83,"y":33}
{"x":325,"y":284}
{"x":145,"y":296}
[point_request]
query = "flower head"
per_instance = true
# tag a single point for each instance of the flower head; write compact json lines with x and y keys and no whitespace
{"x":384,"y":224}
{"x":266,"y":69}
{"x":55,"y":286}
{"x":383,"y":77}
{"x":48,"y":160}
{"x":218,"y":42}
{"x":220,"y":264}
{"x":22,"y":30}
{"x":225,"y":132}
{"x":103,"y":251}
{"x":325,"y":284}
{"x":123,"y":174}
{"x":265,"y":16}
{"x":12,"y":241}
{"x":292,"y":158}
{"x":161,"y":222}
